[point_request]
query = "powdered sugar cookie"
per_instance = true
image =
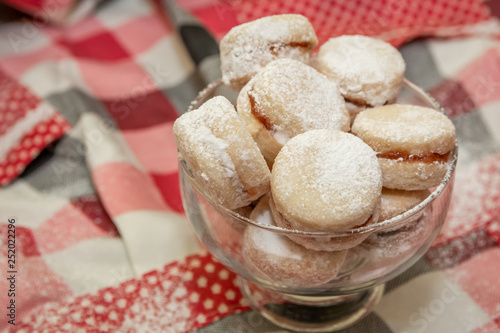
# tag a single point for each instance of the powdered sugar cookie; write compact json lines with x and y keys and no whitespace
{"x":221,"y":154}
{"x":325,"y":180}
{"x":247,"y":48}
{"x":368,"y":71}
{"x":413,"y":144}
{"x":287,"y":98}
{"x":283,"y":260}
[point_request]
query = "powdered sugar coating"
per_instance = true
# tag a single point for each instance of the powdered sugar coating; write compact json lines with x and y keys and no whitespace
{"x":283,"y":260}
{"x":367,"y":70}
{"x":326,"y":180}
{"x":294,"y":98}
{"x":247,"y":48}
{"x":410,"y":128}
{"x":221,"y":153}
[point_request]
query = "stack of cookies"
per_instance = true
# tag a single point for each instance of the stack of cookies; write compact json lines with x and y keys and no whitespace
{"x":317,"y":139}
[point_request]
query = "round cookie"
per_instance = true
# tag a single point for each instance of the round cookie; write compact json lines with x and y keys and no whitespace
{"x":286,"y":98}
{"x":368,"y":71}
{"x":284,"y":261}
{"x":246,"y":48}
{"x":221,"y":154}
{"x":325,"y":180}
{"x":413,"y":144}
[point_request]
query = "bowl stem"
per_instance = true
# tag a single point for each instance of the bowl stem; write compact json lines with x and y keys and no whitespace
{"x":311,"y":313}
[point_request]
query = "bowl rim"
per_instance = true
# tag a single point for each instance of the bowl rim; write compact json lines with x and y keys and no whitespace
{"x":389,"y":224}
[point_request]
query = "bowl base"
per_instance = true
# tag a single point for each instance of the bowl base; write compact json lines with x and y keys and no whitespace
{"x":311,"y":313}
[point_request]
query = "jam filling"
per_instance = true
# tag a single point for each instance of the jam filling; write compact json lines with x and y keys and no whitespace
{"x":406,"y":156}
{"x":276,"y":48}
{"x":259,"y":114}
{"x":250,"y":191}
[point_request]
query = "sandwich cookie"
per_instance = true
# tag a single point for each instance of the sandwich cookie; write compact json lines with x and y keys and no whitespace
{"x":368,"y":71}
{"x":284,"y":261}
{"x":247,"y":48}
{"x":287,"y":98}
{"x":221,"y":154}
{"x":413,"y":144}
{"x":325,"y":180}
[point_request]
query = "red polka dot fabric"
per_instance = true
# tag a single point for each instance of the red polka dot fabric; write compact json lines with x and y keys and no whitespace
{"x":393,"y":20}
{"x":27,"y":126}
{"x":180,"y":297}
{"x":15,"y":102}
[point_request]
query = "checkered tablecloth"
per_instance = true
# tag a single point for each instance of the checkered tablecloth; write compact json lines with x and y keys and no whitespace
{"x":88,"y":167}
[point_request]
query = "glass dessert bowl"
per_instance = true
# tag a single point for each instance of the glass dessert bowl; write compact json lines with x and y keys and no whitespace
{"x":289,"y":287}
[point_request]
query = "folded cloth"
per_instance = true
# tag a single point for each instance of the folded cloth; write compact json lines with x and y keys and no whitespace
{"x":89,"y":167}
{"x":55,"y":11}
